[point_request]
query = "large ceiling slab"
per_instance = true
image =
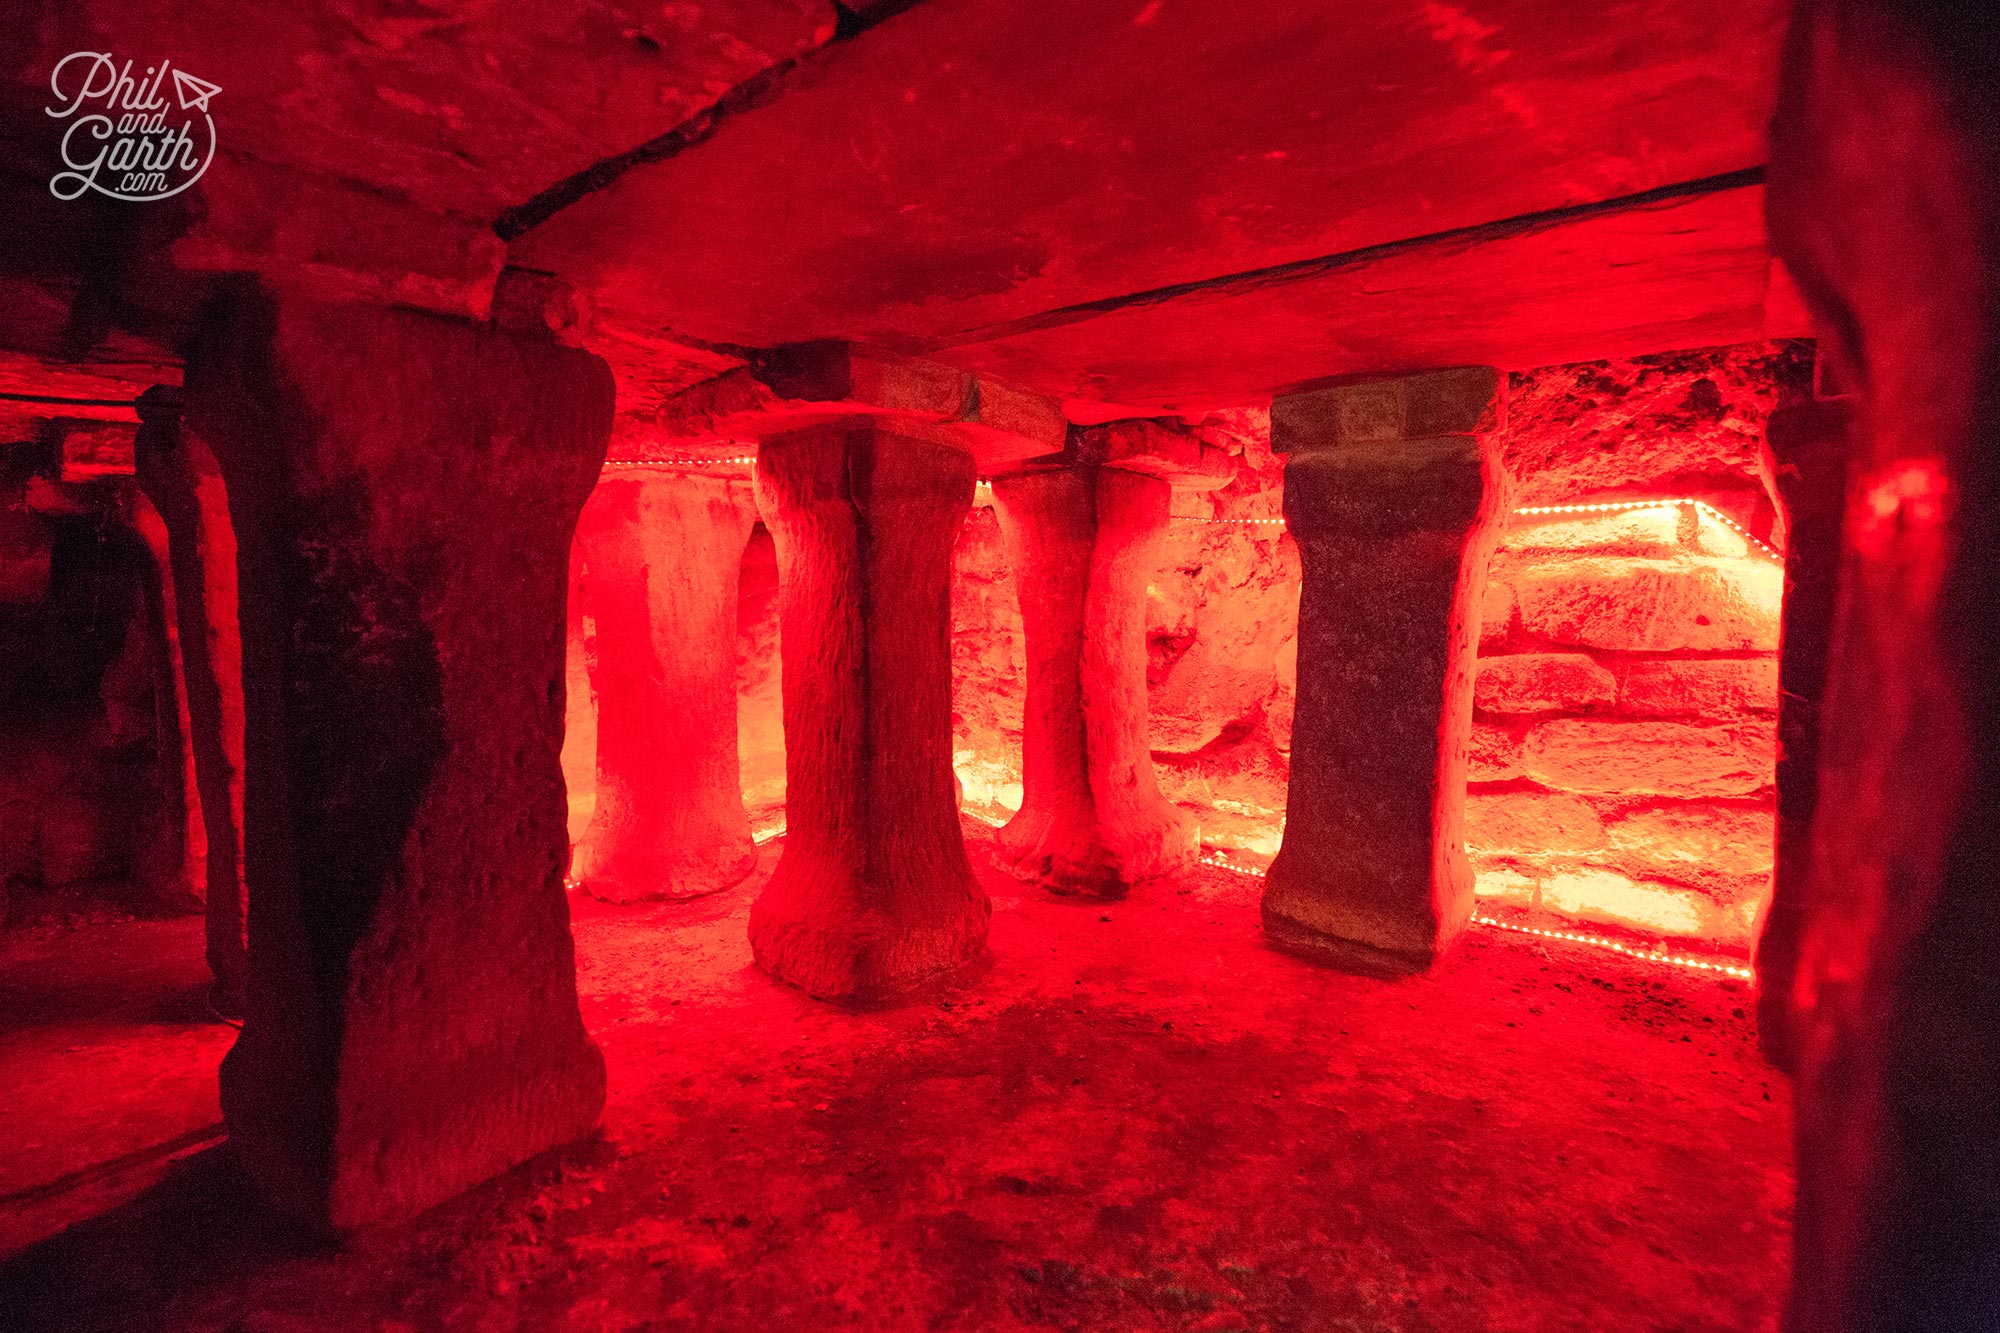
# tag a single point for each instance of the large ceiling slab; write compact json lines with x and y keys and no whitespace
{"x":966,"y":164}
{"x":1686,"y":272}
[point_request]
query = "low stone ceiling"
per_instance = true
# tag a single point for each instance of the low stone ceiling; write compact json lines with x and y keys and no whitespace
{"x":1157,"y":203}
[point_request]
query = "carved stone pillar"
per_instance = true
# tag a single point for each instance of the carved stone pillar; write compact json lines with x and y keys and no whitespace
{"x":662,"y":551}
{"x":873,"y":891}
{"x":1396,"y":495}
{"x":1092,"y":819}
{"x":1809,"y":442}
{"x":181,"y":477}
{"x":404,"y":489}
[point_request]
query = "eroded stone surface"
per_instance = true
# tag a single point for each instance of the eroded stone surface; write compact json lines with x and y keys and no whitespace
{"x":182,"y":478}
{"x":1395,"y":536}
{"x":412,"y":1024}
{"x":662,"y":552}
{"x":1086,"y":541}
{"x":873,"y":891}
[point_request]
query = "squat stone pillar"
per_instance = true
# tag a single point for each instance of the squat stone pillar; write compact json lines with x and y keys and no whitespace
{"x":662,"y":551}
{"x":1396,"y":495}
{"x":404,"y":489}
{"x":1086,"y":541}
{"x":181,"y":477}
{"x":873,"y":891}
{"x":1809,"y":443}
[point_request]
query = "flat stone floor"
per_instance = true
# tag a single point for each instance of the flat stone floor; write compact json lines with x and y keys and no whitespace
{"x":1137,"y":1118}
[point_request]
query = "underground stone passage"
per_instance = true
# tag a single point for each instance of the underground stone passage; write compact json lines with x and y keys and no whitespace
{"x":970,"y":667}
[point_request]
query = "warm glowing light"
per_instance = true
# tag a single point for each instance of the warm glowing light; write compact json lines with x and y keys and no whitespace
{"x":1660,"y":956}
{"x":1701,"y":507}
{"x":1644,"y":955}
{"x":771,"y":834}
{"x":679,"y":462}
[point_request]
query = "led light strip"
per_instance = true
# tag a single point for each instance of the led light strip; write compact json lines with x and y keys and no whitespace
{"x":679,"y":462}
{"x":1573,"y":937}
{"x":1702,"y":507}
{"x":1617,"y":506}
{"x":1644,"y":955}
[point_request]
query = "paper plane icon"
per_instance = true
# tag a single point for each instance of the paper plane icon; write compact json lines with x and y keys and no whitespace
{"x":194,"y":93}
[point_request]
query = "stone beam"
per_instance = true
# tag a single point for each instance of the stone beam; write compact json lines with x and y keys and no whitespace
{"x":1396,"y":494}
{"x":814,"y":384}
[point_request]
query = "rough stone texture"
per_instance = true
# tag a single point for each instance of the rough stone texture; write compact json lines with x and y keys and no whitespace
{"x":1885,"y":205}
{"x":795,"y":388}
{"x":1542,"y":683}
{"x":760,"y":711}
{"x":1681,"y":423}
{"x":662,"y":553}
{"x":1085,"y":541}
{"x":1811,"y":442}
{"x":873,"y":891}
{"x":1672,"y":610}
{"x":183,"y":849}
{"x":1222,"y":616}
{"x":1395,"y":536}
{"x":1685,"y":605}
{"x":1651,"y":758}
{"x":1718,"y":689}
{"x":412,"y":1024}
{"x":1531,"y":823}
{"x":184,"y":481}
{"x":91,"y":784}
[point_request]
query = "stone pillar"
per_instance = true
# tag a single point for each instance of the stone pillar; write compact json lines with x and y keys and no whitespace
{"x":1809,"y":446}
{"x":181,"y":477}
{"x":1396,"y":495}
{"x":1884,"y":204}
{"x":404,"y":489}
{"x":1092,"y":819}
{"x":184,"y":838}
{"x":663,"y":550}
{"x":873,"y":891}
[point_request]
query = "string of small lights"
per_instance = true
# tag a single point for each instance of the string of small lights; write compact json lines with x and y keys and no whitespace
{"x":1702,"y":507}
{"x":1211,"y":858}
{"x":738,"y":459}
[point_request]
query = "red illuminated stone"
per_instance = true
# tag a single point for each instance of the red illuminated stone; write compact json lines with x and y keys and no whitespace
{"x":662,"y":550}
{"x":182,"y":478}
{"x":1092,"y":819}
{"x":873,"y":892}
{"x":412,"y":1022}
{"x":1396,"y":501}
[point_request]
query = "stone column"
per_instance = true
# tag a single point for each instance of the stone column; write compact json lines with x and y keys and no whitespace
{"x":663,"y":550}
{"x":172,"y":725}
{"x":1884,"y":205}
{"x":1092,"y":819}
{"x":1809,"y":445}
{"x":1396,"y":495}
{"x":873,"y":891}
{"x":404,"y":489}
{"x":181,"y":477}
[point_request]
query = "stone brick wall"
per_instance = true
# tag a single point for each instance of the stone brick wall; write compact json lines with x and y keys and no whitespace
{"x":1628,"y":684}
{"x":1624,"y":743}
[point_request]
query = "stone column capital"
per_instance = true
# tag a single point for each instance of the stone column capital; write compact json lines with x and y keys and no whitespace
{"x":1340,"y":414}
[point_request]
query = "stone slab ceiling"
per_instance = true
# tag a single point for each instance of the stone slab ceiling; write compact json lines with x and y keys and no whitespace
{"x":964,"y":167}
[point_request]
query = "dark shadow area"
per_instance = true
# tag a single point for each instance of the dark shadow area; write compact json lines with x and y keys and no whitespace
{"x":199,"y":1226}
